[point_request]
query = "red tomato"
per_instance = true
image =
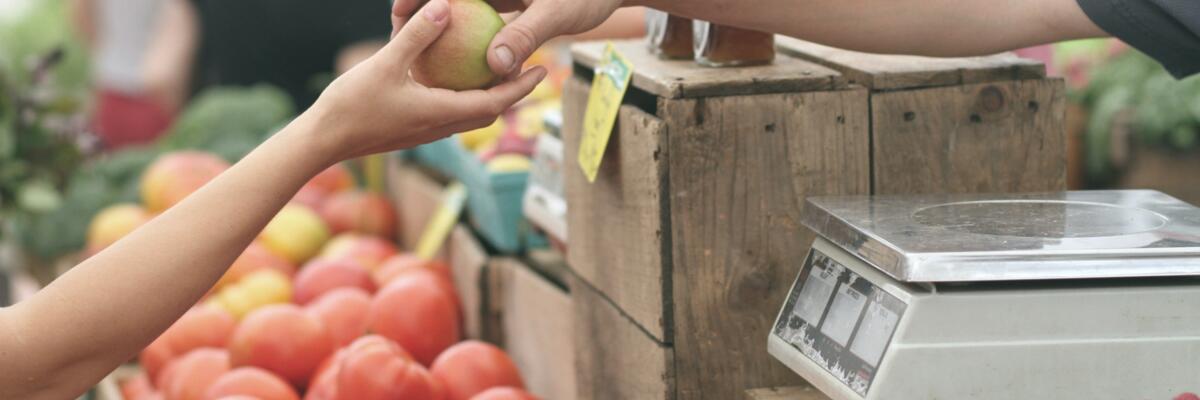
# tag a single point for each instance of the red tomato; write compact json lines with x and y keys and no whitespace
{"x":343,"y":311}
{"x":321,"y":276}
{"x":253,"y":382}
{"x":417,"y":315}
{"x":282,"y":339}
{"x":504,"y":393}
{"x":195,"y":372}
{"x":471,"y":367}
{"x":401,"y":264}
{"x":324,"y":382}
{"x":378,"y":369}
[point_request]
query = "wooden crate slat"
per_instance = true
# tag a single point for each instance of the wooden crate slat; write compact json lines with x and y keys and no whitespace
{"x":892,"y":72}
{"x":615,"y":223}
{"x":616,"y":359}
{"x":740,"y":168}
{"x":468,"y":262}
{"x":683,"y":79}
{"x":983,"y":138}
{"x":537,"y":321}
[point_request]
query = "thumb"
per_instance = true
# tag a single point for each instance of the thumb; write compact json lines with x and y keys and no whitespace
{"x":419,"y":32}
{"x":517,"y":40}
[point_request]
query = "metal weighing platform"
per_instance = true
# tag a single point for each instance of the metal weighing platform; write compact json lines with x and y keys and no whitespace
{"x":1074,"y":295}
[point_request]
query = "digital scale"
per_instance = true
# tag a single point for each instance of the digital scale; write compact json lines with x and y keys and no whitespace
{"x":1074,"y":295}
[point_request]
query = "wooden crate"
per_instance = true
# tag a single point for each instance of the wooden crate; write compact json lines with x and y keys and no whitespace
{"x":956,"y":125}
{"x":416,"y":196}
{"x":691,"y":234}
{"x":536,"y":327}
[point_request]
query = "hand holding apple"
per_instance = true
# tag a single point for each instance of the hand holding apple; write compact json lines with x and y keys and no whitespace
{"x":377,"y":106}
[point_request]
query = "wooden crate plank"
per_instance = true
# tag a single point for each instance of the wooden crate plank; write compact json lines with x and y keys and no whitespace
{"x":537,"y":321}
{"x":996,"y":137}
{"x":740,"y":168}
{"x":615,"y":359}
{"x":468,"y":261}
{"x":686,"y":79}
{"x":415,"y":196}
{"x":786,"y":393}
{"x":891,"y":72}
{"x":615,"y":223}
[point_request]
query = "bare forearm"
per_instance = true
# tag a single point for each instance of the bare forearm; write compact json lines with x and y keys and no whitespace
{"x":124,"y":296}
{"x":922,"y":27}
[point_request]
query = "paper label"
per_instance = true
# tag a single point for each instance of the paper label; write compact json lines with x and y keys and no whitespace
{"x":608,"y":88}
{"x":442,"y":221}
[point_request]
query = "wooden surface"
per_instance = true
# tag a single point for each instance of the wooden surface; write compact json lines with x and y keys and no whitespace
{"x":891,"y":72}
{"x":740,"y":168}
{"x":686,"y":79}
{"x":615,"y":223}
{"x":416,"y":196}
{"x":537,"y":319}
{"x":786,"y":393}
{"x":995,"y":137}
{"x":468,"y":262}
{"x":614,"y":358}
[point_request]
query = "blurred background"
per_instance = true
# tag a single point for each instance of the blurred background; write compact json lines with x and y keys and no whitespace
{"x":92,"y":91}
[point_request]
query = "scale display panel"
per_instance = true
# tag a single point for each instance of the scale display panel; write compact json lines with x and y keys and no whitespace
{"x":839,"y":320}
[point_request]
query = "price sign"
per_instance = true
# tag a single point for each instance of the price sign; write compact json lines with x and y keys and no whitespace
{"x":608,"y":88}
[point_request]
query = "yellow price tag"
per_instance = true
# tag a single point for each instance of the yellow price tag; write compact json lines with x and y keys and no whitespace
{"x":608,"y":88}
{"x":442,"y":221}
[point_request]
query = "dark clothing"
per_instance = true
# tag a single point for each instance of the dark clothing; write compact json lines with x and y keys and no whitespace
{"x":286,"y":43}
{"x":1167,"y":30}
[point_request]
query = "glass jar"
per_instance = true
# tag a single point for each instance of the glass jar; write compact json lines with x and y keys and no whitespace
{"x":670,"y":35}
{"x":727,"y":46}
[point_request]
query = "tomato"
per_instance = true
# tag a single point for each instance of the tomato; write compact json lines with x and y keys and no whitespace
{"x":504,"y":393}
{"x":322,"y":276}
{"x":401,"y":264}
{"x":155,"y":357}
{"x":378,"y":369}
{"x":253,"y":382}
{"x":472,"y":367}
{"x":343,"y":311}
{"x":202,"y":326}
{"x":195,"y":372}
{"x":418,"y":315}
{"x":282,"y":339}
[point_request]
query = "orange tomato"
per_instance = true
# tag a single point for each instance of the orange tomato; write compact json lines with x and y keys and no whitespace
{"x":250,"y":381}
{"x":472,"y":367}
{"x":416,"y":314}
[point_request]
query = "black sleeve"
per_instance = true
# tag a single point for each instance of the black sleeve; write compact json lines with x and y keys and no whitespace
{"x":1167,"y":30}
{"x":364,"y":20}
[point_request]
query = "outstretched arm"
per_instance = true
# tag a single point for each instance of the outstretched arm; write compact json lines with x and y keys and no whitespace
{"x":948,"y":28}
{"x":101,"y":313}
{"x":917,"y":27}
